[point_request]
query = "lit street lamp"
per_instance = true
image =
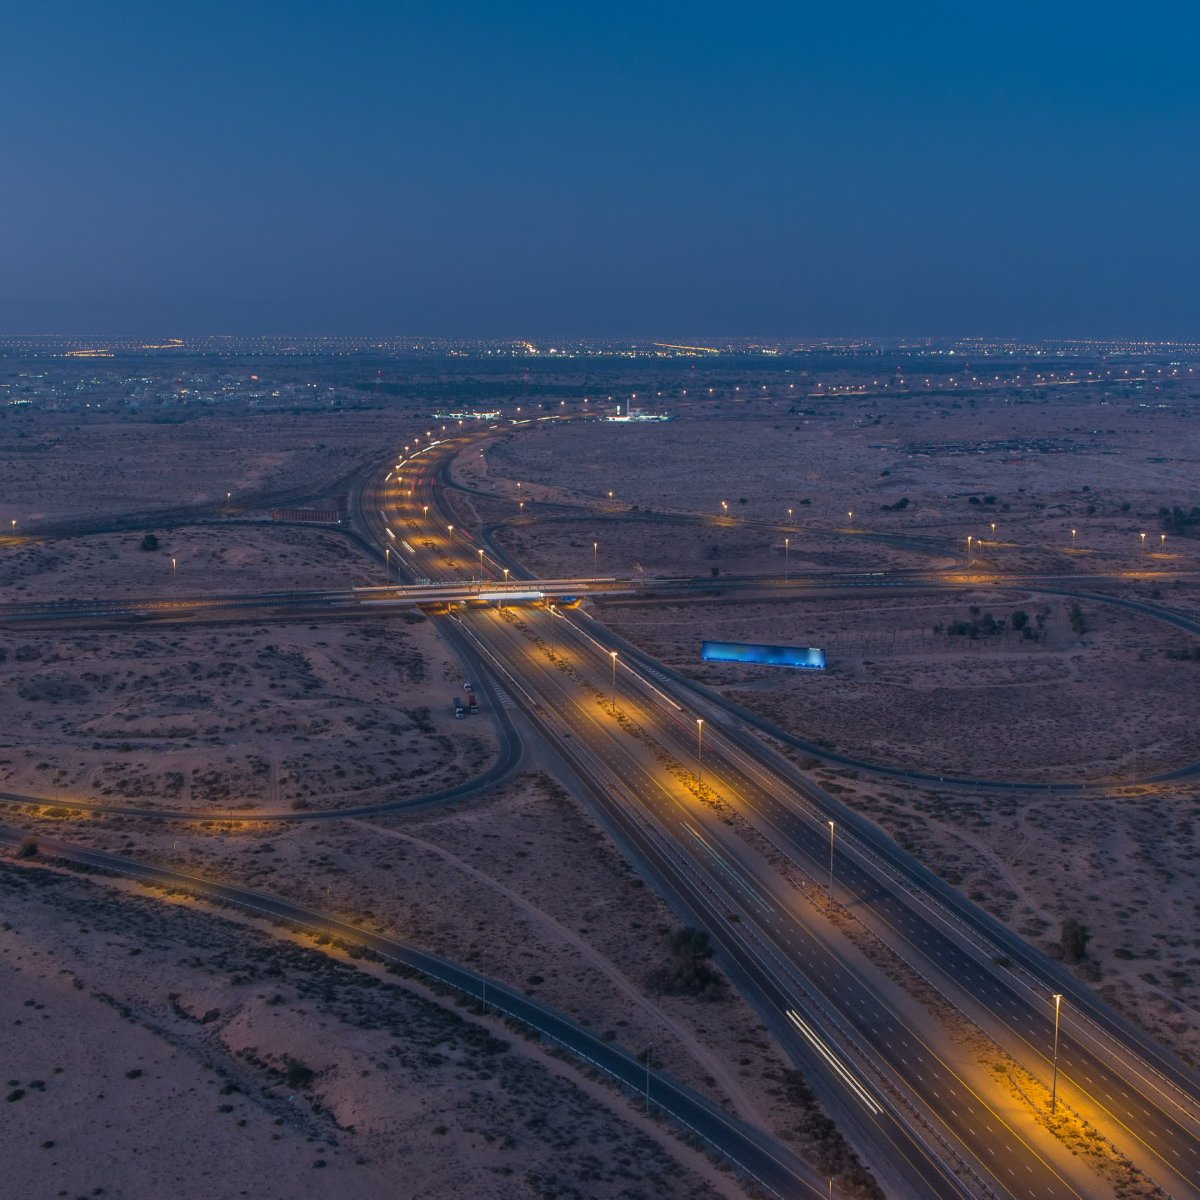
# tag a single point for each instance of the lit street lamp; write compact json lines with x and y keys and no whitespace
{"x":1143,"y":537}
{"x":829,"y":892}
{"x":1054,"y":1076}
{"x":481,"y":565}
{"x":614,"y":681}
{"x":595,"y":553}
{"x":700,"y":751}
{"x":968,"y":549}
{"x":786,"y":545}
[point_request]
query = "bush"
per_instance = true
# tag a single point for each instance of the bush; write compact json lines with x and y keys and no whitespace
{"x":297,"y":1074}
{"x":28,"y":848}
{"x":148,"y":542}
{"x":688,"y":971}
{"x":1074,"y":939}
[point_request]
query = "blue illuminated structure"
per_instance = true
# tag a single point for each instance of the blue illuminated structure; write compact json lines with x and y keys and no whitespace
{"x":807,"y":658}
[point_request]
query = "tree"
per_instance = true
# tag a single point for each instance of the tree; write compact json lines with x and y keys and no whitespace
{"x":1020,"y":619}
{"x":149,"y":542}
{"x":1074,"y":939}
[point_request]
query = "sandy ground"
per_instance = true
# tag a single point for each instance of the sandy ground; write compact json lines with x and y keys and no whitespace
{"x":192,"y":560}
{"x":1108,"y":705}
{"x":249,"y":716}
{"x":520,"y":885}
{"x":164,"y":1050}
{"x":92,"y":466}
{"x":1042,"y":463}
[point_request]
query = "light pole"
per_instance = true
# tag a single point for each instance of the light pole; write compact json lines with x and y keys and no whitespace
{"x":725,"y":507}
{"x":613,"y":653}
{"x":786,"y":544}
{"x":850,"y":518}
{"x":172,"y":566}
{"x":595,"y":554}
{"x":481,"y":564}
{"x":993,"y":531}
{"x":1054,"y":1076}
{"x":1162,"y":542}
{"x":968,"y":549}
{"x":387,"y":563}
{"x":790,"y":512}
{"x":426,"y":508}
{"x":1143,"y":537}
{"x":1073,"y":533}
{"x":700,"y":751}
{"x":829,"y":892}
{"x":450,"y":533}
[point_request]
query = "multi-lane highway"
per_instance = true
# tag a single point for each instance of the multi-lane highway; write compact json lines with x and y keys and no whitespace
{"x":730,"y":853}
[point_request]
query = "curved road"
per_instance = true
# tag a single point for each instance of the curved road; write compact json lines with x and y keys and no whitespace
{"x":752,"y":1152}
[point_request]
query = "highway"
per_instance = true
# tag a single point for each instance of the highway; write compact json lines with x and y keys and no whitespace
{"x":915,"y":1107}
{"x":753,"y":1153}
{"x":745,"y":853}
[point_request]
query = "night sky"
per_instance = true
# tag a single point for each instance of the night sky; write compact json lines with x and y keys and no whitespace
{"x":521,"y":169}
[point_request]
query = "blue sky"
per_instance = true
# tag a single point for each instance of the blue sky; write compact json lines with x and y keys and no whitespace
{"x":607,"y":169}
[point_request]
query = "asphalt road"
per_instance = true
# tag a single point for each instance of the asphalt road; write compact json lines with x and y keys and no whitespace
{"x":1150,"y":1114}
{"x":754,"y":1154}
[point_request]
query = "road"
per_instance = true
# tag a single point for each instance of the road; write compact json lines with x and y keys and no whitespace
{"x":755,"y":1154}
{"x":903,"y":1095}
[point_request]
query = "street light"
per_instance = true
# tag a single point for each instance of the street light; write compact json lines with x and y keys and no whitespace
{"x":613,"y":653}
{"x":1162,"y":540}
{"x":450,"y":536}
{"x":790,"y":512}
{"x":968,"y":549}
{"x":786,"y":544}
{"x":829,"y":892}
{"x":725,"y":507}
{"x":1073,"y":533}
{"x":993,"y":531}
{"x":387,"y":563}
{"x":172,"y":566}
{"x":850,"y":518}
{"x":1054,"y":1076}
{"x":700,"y":751}
{"x":1143,"y":537}
{"x":426,"y":508}
{"x":595,"y":552}
{"x":481,"y":565}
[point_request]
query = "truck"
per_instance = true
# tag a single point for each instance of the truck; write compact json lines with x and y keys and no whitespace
{"x":472,"y":703}
{"x":459,"y":710}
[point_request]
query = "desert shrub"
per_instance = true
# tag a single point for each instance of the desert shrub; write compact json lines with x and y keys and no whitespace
{"x":149,"y":542}
{"x":1074,"y":939}
{"x":296,"y":1074}
{"x":28,"y":848}
{"x":688,"y":970}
